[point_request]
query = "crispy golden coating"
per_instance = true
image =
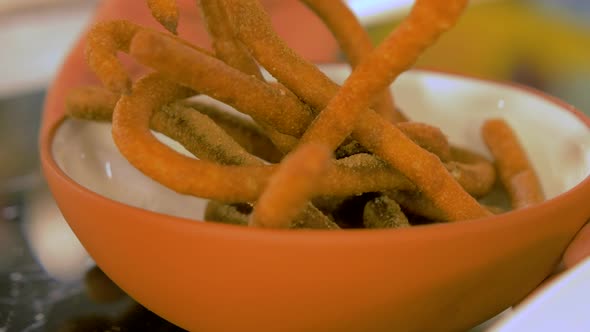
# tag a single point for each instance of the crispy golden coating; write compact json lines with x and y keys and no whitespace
{"x":107,"y":38}
{"x":230,"y":49}
{"x":515,"y":171}
{"x":291,"y":187}
{"x":135,"y":141}
{"x":227,"y":47}
{"x":165,"y":12}
{"x":415,"y":203}
{"x":238,"y":214}
{"x":97,"y":103}
{"x":226,"y":183}
{"x":246,"y":133}
{"x":474,"y":172}
{"x":354,"y":42}
{"x":384,"y":212}
{"x":91,"y":103}
{"x":196,"y":132}
{"x":384,"y":163}
{"x":312,"y":218}
{"x":420,"y":166}
{"x":235,"y":214}
{"x":425,"y":23}
{"x":211,"y":76}
{"x":428,"y":137}
{"x":201,"y":136}
{"x":342,"y":108}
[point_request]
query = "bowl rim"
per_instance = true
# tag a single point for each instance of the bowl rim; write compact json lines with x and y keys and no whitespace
{"x":50,"y":168}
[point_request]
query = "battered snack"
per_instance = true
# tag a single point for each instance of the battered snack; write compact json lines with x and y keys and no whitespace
{"x":384,"y":212}
{"x":135,"y":141}
{"x":91,"y":103}
{"x":269,"y":168}
{"x":352,"y":175}
{"x":430,"y":138}
{"x":200,"y":135}
{"x":347,"y":109}
{"x":97,"y":103}
{"x":354,"y":42}
{"x":291,"y":187}
{"x":165,"y":12}
{"x":515,"y":171}
{"x":107,"y":38}
{"x":415,"y":203}
{"x":474,"y":172}
{"x":189,"y":70}
{"x":132,"y":136}
{"x":211,"y":76}
{"x":245,"y":132}
{"x":236,"y":214}
{"x":227,"y":47}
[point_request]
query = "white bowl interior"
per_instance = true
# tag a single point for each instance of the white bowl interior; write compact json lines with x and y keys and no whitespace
{"x":557,"y":141}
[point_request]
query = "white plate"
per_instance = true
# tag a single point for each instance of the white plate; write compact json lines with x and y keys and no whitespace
{"x":562,"y":306}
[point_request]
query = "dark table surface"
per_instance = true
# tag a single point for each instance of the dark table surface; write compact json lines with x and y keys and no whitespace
{"x":47,"y":280}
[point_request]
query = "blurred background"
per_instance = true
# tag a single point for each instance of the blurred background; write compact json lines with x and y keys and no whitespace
{"x":541,"y":43}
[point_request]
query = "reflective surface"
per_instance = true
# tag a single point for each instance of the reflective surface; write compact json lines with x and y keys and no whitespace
{"x":48,"y":283}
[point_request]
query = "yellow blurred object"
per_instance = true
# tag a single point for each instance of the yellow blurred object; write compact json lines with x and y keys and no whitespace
{"x":496,"y":39}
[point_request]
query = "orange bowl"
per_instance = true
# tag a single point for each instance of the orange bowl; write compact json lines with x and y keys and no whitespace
{"x":216,"y":277}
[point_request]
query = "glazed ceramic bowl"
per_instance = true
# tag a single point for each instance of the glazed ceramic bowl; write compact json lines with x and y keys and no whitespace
{"x":216,"y":277}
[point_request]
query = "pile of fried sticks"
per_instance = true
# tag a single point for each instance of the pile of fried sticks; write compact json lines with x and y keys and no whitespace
{"x":313,"y":151}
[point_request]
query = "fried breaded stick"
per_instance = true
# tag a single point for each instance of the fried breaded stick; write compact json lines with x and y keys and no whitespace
{"x":429,"y":137}
{"x":427,"y":21}
{"x":91,"y":103}
{"x":384,"y":212}
{"x":227,"y":47}
{"x":247,"y":133}
{"x":236,"y":214}
{"x":225,"y":183}
{"x":165,"y":12}
{"x":185,"y":65}
{"x":196,"y":132}
{"x":211,"y":76}
{"x":354,"y":42}
{"x":97,"y":103}
{"x":474,"y":172}
{"x":515,"y":171}
{"x":291,"y":187}
{"x":104,"y":40}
